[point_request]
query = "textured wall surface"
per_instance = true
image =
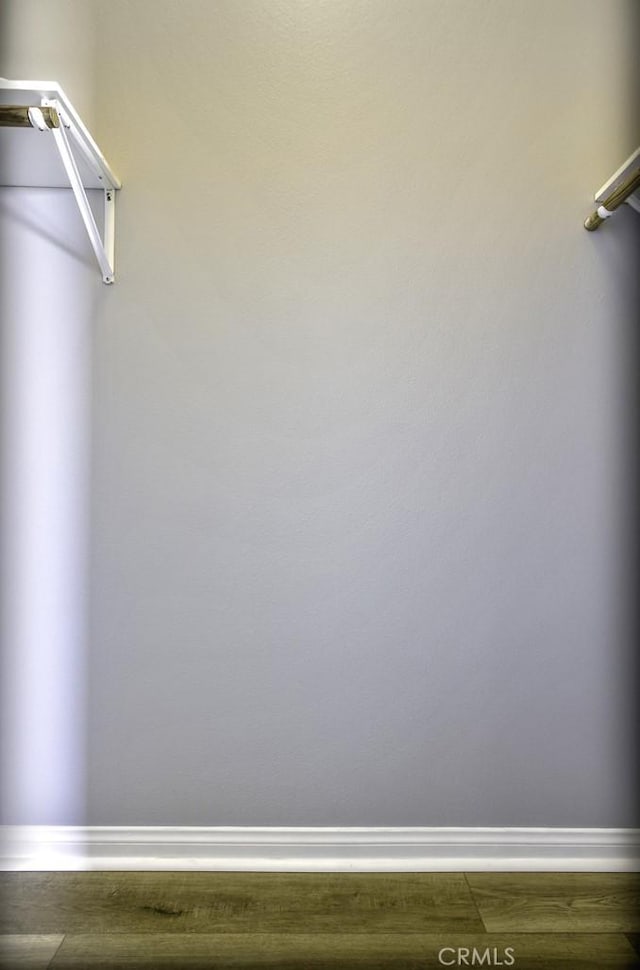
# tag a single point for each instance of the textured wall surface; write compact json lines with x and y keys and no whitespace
{"x":361,"y":410}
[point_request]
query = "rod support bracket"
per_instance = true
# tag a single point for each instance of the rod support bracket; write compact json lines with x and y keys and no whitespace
{"x":103,"y":244}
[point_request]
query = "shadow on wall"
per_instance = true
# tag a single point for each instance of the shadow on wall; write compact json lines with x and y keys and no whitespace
{"x":47,"y":297}
{"x":634,"y":461}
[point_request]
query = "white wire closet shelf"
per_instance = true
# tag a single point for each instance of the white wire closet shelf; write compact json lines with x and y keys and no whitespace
{"x":44,"y":143}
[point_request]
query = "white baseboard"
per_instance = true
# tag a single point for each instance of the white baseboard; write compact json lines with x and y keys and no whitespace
{"x":320,"y":849}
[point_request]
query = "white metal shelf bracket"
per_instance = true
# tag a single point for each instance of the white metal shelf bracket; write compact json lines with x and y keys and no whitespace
{"x":63,"y":138}
{"x":103,"y":246}
{"x":623,"y":186}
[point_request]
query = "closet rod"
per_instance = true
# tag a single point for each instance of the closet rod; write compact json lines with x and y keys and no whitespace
{"x":28,"y":116}
{"x":612,"y":201}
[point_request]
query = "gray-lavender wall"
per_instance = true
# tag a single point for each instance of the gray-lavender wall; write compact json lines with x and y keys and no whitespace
{"x":360,"y":494}
{"x":48,"y":296}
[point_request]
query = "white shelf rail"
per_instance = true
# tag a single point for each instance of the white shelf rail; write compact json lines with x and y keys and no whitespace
{"x":52,"y":114}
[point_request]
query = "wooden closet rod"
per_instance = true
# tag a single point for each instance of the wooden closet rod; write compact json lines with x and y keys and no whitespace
{"x":612,"y":201}
{"x":28,"y":116}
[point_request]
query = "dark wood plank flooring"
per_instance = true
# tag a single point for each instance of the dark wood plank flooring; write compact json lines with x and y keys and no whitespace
{"x":237,"y":902}
{"x":577,"y":902}
{"x":293,"y":921}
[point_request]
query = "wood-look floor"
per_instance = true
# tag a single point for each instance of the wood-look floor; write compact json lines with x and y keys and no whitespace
{"x":293,"y":921}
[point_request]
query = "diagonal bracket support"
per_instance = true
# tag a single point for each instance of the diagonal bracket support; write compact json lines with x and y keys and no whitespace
{"x":103,"y":245}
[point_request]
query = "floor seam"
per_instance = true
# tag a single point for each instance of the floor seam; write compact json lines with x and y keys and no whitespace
{"x":58,"y":948}
{"x":475,"y":902}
